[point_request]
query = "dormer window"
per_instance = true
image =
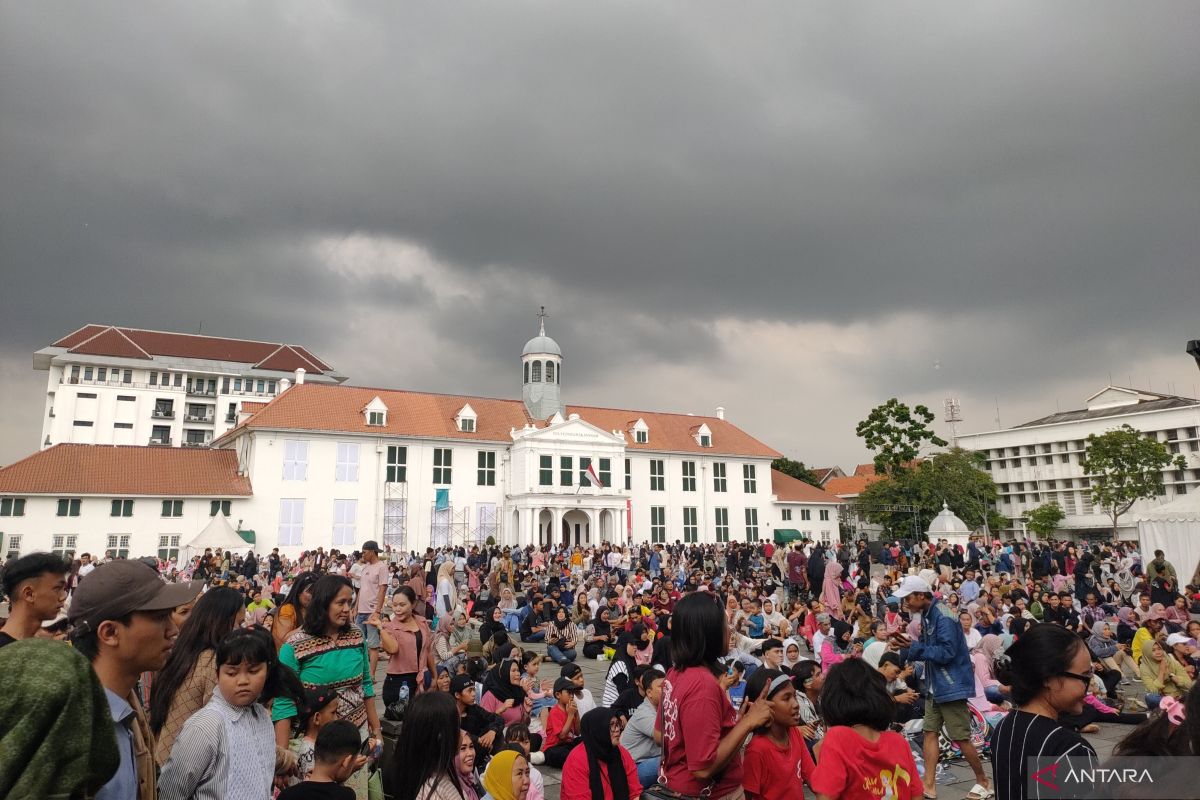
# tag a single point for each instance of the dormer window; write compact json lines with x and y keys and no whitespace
{"x":465,"y":419}
{"x":641,"y":432}
{"x":705,"y":440}
{"x":376,"y":413}
{"x":703,"y":436}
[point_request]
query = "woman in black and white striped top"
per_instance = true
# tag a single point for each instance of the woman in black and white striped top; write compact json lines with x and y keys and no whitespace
{"x":1049,"y":669}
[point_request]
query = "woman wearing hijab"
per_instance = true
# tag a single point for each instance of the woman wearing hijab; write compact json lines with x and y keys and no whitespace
{"x":620,"y":671}
{"x":599,"y":634}
{"x":504,"y":694}
{"x":600,"y":768}
{"x":831,"y":593}
{"x":1161,"y":674}
{"x":447,"y":592}
{"x":506,"y":776}
{"x":56,"y":729}
{"x":791,"y":654}
{"x":416,"y":581}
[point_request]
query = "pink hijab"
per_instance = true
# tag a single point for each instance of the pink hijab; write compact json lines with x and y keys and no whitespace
{"x":831,"y":595}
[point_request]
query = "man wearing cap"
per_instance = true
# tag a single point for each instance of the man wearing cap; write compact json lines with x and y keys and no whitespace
{"x":122,"y":618}
{"x":950,"y":678}
{"x":372,"y":584}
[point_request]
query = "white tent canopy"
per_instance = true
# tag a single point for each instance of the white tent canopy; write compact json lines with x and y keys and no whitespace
{"x":218,"y":533}
{"x":1174,"y":528}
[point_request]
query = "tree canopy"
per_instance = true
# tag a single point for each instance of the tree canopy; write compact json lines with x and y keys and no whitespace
{"x":1125,"y":465}
{"x":955,"y":477}
{"x":797,"y":470}
{"x":1044,"y":519}
{"x":895,"y":433}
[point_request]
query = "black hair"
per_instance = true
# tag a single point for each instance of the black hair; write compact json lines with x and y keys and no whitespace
{"x":255,"y":646}
{"x":1017,"y":626}
{"x":408,"y":593}
{"x":335,"y":741}
{"x":855,"y":693}
{"x":771,"y":644}
{"x":212,"y":618}
{"x":34,"y":565}
{"x":324,"y":592}
{"x":1044,"y":652}
{"x":84,"y":638}
{"x":699,"y":639}
{"x":802,"y":671}
{"x":476,"y":668}
{"x":762,"y":677}
{"x":529,"y":657}
{"x":518,"y":730}
{"x":890,"y":658}
{"x":303,"y":581}
{"x":427,"y":745}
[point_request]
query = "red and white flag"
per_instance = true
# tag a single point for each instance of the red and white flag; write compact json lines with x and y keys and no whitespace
{"x":593,"y":477}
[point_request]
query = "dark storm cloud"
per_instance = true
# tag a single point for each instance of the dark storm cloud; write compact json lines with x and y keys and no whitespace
{"x":1013,"y":174}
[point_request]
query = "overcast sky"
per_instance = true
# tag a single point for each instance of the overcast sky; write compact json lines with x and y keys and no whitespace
{"x":793,"y":210}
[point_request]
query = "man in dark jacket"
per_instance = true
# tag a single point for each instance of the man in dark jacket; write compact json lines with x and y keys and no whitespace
{"x":949,"y":678}
{"x":486,"y":729}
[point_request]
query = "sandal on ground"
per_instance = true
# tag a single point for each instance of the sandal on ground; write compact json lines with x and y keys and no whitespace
{"x":978,"y":792}
{"x":1090,"y":728}
{"x":929,"y":796}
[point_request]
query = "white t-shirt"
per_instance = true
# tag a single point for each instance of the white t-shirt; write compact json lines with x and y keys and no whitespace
{"x":974,"y":637}
{"x":86,"y":569}
{"x":355,"y":572}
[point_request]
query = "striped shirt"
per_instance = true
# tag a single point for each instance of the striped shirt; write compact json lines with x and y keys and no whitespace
{"x":1021,"y":736}
{"x":223,"y":752}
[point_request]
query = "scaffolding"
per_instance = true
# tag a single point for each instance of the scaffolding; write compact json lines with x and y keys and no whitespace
{"x":395,"y":516}
{"x":448,"y":525}
{"x":488,"y":525}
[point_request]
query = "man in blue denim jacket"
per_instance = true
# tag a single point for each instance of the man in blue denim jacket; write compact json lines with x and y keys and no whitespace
{"x":949,"y":682}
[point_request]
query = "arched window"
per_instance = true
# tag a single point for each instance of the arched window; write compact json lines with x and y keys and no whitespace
{"x":549,"y":372}
{"x":526,"y":372}
{"x":537,"y":372}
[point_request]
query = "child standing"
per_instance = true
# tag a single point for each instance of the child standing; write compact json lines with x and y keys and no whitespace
{"x":227,"y":749}
{"x":336,"y":760}
{"x":859,"y":757}
{"x":543,"y":700}
{"x":777,"y":761}
{"x":320,"y":707}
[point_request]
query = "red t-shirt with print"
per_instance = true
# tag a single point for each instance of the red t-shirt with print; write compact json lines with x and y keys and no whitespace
{"x":777,"y":773}
{"x":852,"y":768}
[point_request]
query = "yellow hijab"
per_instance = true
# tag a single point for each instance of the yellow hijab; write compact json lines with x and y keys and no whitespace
{"x":497,"y":778}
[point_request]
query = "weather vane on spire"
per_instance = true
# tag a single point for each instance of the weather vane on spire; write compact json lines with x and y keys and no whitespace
{"x":542,"y":321}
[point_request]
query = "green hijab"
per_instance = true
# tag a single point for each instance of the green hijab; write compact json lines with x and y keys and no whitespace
{"x":56,"y":731}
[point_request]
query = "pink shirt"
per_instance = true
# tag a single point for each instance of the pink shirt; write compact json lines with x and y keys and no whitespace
{"x":372,"y":578}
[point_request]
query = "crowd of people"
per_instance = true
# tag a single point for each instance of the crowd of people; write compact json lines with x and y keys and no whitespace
{"x":731,"y":670}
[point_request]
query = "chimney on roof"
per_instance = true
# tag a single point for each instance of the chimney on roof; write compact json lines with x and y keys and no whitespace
{"x":283,"y":385}
{"x":299,"y":376}
{"x":720,"y":412}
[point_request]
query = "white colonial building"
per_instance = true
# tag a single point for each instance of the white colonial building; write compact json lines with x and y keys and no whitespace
{"x":1039,"y":462}
{"x":110,"y":385}
{"x":333,"y":466}
{"x":116,"y":500}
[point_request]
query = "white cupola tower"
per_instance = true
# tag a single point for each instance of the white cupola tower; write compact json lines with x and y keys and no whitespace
{"x":541,"y":374}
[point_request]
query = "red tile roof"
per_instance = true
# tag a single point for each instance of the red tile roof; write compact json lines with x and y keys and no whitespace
{"x":864,"y":471}
{"x":794,"y":490}
{"x":849,"y":486}
{"x":79,"y":469}
{"x":319,"y":407}
{"x":109,"y":340}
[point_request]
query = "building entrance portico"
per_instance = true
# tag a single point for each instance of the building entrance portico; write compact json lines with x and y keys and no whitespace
{"x":584,"y":524}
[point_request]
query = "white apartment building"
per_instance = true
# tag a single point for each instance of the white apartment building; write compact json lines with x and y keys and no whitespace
{"x":122,"y":501}
{"x":111,"y":385}
{"x":1039,"y":462}
{"x":333,"y":466}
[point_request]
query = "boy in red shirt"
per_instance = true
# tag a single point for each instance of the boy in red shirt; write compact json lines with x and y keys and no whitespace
{"x":777,"y":762}
{"x":562,"y":724}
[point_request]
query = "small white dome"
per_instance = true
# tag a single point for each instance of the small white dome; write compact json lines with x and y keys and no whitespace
{"x":541,"y":345}
{"x":946,"y":522}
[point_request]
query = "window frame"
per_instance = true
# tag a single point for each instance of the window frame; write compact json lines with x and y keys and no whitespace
{"x":443,"y":466}
{"x":486,"y":468}
{"x":749,"y":478}
{"x":658,"y":478}
{"x":121,"y":507}
{"x":396,"y":465}
{"x":720,"y":478}
{"x":346,"y":460}
{"x":689,"y":475}
{"x":12,"y":507}
{"x":295,"y":459}
{"x":691,"y":525}
{"x":721,"y":520}
{"x":545,"y":470}
{"x":172,"y":509}
{"x":752,"y":528}
{"x":658,"y":524}
{"x":566,"y":470}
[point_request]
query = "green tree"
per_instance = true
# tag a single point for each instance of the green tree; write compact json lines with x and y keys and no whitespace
{"x":1125,"y":466}
{"x":895,"y":433}
{"x":1044,"y":519}
{"x":796,"y":469}
{"x":955,"y":477}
